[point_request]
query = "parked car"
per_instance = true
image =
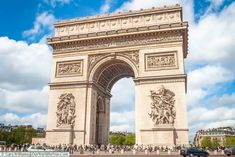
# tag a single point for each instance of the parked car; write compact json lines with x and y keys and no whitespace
{"x":229,"y":151}
{"x":33,"y":148}
{"x":193,"y":151}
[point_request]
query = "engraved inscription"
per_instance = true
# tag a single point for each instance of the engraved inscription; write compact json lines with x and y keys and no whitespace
{"x":69,"y":68}
{"x":161,"y":61}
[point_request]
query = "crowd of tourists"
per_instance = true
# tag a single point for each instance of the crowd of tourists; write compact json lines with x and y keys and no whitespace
{"x":93,"y":149}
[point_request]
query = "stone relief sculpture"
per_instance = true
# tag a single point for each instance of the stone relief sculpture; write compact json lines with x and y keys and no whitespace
{"x":162,"y":107}
{"x":66,"y":110}
{"x":134,"y":56}
{"x":161,"y":61}
{"x":93,"y":59}
{"x":69,"y":68}
{"x":100,"y":25}
{"x":117,"y":42}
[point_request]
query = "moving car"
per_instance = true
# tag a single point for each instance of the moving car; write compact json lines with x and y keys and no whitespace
{"x":229,"y":151}
{"x":193,"y":151}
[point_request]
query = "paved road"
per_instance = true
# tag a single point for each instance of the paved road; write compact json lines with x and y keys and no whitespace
{"x":129,"y":154}
{"x":137,"y":155}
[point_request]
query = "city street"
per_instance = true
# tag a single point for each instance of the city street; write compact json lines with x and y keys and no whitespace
{"x":139,"y":154}
{"x":136,"y":155}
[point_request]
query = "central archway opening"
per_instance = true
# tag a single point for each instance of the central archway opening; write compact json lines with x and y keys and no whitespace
{"x":114,"y":82}
{"x":122,"y":112}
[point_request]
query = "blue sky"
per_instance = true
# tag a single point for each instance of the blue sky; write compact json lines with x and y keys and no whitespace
{"x":25,"y":59}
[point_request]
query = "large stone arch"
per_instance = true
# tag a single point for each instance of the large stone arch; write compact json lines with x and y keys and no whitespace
{"x":103,"y":75}
{"x":109,"y":64}
{"x":91,"y":54}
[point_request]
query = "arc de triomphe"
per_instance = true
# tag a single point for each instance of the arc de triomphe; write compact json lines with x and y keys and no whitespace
{"x":90,"y":54}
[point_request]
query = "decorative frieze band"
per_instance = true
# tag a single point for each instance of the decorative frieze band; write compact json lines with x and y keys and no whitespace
{"x":69,"y":68}
{"x":149,"y":38}
{"x":161,"y":61}
{"x":116,"y":23}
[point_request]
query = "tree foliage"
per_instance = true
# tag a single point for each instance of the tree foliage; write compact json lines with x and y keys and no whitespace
{"x":215,"y":143}
{"x":130,"y":139}
{"x":206,"y":142}
{"x":18,"y":136}
{"x":229,"y":141}
{"x":117,"y":139}
{"x":122,"y":139}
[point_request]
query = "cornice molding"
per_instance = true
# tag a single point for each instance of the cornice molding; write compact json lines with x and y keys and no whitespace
{"x":165,"y":129}
{"x":64,"y":130}
{"x":146,"y":38}
{"x":152,"y":10}
{"x":68,"y":85}
{"x":161,"y":79}
{"x":110,"y":22}
{"x":119,"y":32}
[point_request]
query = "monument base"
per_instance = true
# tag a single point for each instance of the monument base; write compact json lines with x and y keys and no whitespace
{"x":164,"y":135}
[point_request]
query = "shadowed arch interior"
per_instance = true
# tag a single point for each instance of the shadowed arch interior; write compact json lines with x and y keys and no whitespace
{"x":109,"y":73}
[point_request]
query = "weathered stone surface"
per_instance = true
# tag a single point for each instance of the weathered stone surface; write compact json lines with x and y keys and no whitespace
{"x":91,"y":54}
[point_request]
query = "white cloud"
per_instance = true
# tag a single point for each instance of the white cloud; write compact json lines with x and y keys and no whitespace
{"x":214,"y":5}
{"x":24,"y":101}
{"x":223,"y":123}
{"x":216,"y":2}
{"x":138,"y":4}
{"x":122,"y":105}
{"x":36,"y":119}
{"x":23,"y":66}
{"x":202,"y":114}
{"x":54,"y":3}
{"x":211,"y":65}
{"x":211,"y":41}
{"x":224,"y":100}
{"x":25,"y":72}
{"x":123,"y":98}
{"x":122,"y":121}
{"x":203,"y":118}
{"x":207,"y":76}
{"x":43,"y":24}
{"x":203,"y":81}
{"x":106,"y":6}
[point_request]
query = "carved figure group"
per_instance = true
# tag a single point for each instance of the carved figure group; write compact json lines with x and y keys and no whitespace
{"x":66,"y":110}
{"x":161,"y":61}
{"x":68,"y":68}
{"x":162,"y":107}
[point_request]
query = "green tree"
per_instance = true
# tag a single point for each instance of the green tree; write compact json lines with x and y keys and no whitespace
{"x":18,"y":136}
{"x":3,"y":135}
{"x":29,"y":134}
{"x":215,"y":143}
{"x":117,"y":139}
{"x":229,"y":141}
{"x":130,"y":139}
{"x":206,"y":142}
